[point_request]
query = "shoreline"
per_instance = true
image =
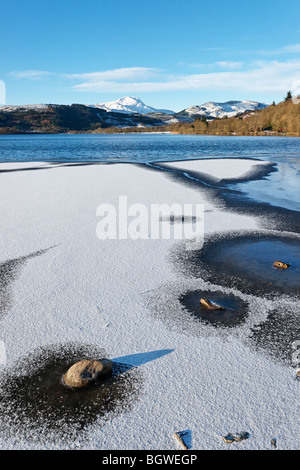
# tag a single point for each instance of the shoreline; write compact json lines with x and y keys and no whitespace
{"x":132,"y":132}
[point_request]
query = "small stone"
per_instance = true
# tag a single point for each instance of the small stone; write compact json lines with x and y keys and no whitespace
{"x":85,"y":372}
{"x":180,"y":436}
{"x":241,"y":436}
{"x":274,"y":443}
{"x":209,"y":305}
{"x":281,"y":265}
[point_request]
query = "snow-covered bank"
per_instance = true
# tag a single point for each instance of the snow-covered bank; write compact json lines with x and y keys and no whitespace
{"x":99,"y":292}
{"x":221,"y":169}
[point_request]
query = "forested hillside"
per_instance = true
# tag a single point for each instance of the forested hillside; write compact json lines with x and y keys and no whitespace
{"x":280,"y":119}
{"x":56,"y":119}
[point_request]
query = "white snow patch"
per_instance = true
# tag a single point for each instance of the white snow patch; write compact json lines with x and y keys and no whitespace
{"x":219,"y":168}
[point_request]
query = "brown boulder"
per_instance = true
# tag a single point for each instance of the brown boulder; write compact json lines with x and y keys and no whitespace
{"x":86,"y":371}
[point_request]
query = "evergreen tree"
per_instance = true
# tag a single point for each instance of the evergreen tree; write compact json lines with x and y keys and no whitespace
{"x":288,"y":96}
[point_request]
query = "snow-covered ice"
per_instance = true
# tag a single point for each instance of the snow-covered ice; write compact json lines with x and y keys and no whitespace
{"x":220,"y":169}
{"x":107,"y":293}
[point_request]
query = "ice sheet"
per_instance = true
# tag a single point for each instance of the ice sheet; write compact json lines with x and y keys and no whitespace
{"x":105,"y":292}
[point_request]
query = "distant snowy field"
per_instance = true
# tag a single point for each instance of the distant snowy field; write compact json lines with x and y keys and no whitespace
{"x":99,"y":292}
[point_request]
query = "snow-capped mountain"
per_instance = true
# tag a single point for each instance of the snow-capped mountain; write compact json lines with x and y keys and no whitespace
{"x":212,"y":109}
{"x":23,"y":107}
{"x":123,"y":113}
{"x":129,"y":104}
{"x":132,"y":105}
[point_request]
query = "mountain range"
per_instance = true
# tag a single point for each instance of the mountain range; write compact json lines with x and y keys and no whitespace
{"x":214,"y":110}
{"x":128,"y":111}
{"x":133,"y":105}
{"x":211,"y":109}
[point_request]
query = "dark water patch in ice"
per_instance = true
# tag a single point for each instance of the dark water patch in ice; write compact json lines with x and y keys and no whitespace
{"x":9,"y":271}
{"x":277,"y":335}
{"x":244,"y":261}
{"x":268,"y":327}
{"x":234,"y":314}
{"x":34,"y":403}
{"x":177,"y":306}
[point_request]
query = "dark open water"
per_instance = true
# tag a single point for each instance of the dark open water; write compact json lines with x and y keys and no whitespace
{"x":142,"y":147}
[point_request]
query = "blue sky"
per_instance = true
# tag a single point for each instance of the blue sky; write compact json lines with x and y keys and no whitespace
{"x":170,"y":53}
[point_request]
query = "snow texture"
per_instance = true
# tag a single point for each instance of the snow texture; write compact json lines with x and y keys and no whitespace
{"x":119,"y":295}
{"x":222,"y":169}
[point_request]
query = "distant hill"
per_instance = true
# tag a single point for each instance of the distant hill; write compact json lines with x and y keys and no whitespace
{"x":23,"y":107}
{"x":212,"y":110}
{"x":130,"y":104}
{"x":232,"y":117}
{"x":280,"y":119}
{"x":53,"y":119}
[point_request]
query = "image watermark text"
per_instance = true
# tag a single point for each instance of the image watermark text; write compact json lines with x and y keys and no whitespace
{"x":155,"y":221}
